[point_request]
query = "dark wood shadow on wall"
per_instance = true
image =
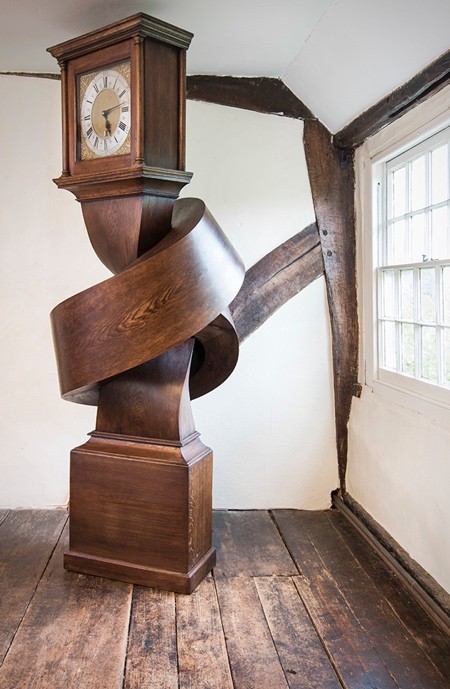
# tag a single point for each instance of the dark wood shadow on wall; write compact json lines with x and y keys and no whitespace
{"x":328,"y":245}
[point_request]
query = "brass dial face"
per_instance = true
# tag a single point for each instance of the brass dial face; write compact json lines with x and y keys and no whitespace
{"x":105,"y":112}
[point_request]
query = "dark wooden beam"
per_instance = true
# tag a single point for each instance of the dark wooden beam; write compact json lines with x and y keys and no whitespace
{"x":260,"y":94}
{"x":277,"y":277}
{"x":425,"y":84}
{"x":331,"y":175}
{"x":36,"y":75}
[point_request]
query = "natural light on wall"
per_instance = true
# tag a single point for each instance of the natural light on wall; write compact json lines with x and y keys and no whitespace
{"x":413,"y":274}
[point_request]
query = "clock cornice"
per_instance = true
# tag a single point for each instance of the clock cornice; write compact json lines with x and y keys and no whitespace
{"x":138,"y":25}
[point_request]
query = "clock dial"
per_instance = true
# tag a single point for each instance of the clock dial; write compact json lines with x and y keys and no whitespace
{"x":105,"y":112}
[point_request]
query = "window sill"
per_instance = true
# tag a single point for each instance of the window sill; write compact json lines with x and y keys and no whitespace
{"x":435,"y":410}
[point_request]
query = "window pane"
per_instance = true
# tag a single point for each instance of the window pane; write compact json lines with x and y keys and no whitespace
{"x":388,"y":308}
{"x":446,"y":290}
{"x":439,"y":230}
{"x":389,"y":345}
{"x":427,"y":292}
{"x":418,"y":238}
{"x":418,"y":184}
{"x":406,"y":295}
{"x":429,"y":369}
{"x":399,"y":192}
{"x":447,"y":354}
{"x":408,"y":349}
{"x":396,"y":242}
{"x":439,"y":174}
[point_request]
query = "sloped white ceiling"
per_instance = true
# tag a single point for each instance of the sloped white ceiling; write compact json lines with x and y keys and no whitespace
{"x":338,"y":56}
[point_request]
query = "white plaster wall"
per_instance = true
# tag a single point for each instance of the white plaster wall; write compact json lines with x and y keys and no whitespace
{"x":271,"y":424}
{"x":399,"y":471}
{"x":399,"y":444}
{"x":45,"y":256}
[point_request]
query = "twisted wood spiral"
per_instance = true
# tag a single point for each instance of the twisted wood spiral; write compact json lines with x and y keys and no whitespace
{"x":177,"y":290}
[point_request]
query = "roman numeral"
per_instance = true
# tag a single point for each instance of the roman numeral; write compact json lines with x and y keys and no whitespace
{"x":96,"y":87}
{"x":125,"y":108}
{"x":105,"y":82}
{"x":96,"y":142}
{"x":89,"y":132}
{"x":122,"y":126}
{"x":123,"y":93}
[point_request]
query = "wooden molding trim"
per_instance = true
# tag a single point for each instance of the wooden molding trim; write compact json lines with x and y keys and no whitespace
{"x":260,"y":94}
{"x":421,"y":585}
{"x":428,"y":82}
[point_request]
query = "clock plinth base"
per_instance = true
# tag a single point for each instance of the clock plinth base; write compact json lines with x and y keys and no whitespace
{"x":140,"y":511}
{"x":143,"y":576}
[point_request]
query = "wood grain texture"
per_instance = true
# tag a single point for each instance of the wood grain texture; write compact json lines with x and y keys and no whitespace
{"x":73,"y":634}
{"x":423,"y":85}
{"x":253,"y":657}
{"x":152,"y":648}
{"x":433,"y":641}
{"x":260,"y":94}
{"x":324,"y":629}
{"x":275,"y":279}
{"x":413,"y":576}
{"x":331,"y":175}
{"x":248,"y":544}
{"x":302,"y":655}
{"x":151,"y":400}
{"x":164,"y":298}
{"x":402,"y":656}
{"x":202,"y":653}
{"x":349,"y":647}
{"x":3,"y":515}
{"x":141,"y":511}
{"x":27,"y":540}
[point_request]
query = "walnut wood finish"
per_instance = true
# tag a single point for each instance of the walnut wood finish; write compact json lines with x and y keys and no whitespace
{"x":167,"y":296}
{"x":142,"y":343}
{"x":331,"y":175}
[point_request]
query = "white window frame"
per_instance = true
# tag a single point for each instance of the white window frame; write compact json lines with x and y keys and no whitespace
{"x":419,"y":124}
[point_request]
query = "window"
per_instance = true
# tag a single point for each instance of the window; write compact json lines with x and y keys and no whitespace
{"x":413,"y":268}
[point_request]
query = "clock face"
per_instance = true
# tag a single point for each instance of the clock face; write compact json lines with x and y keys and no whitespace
{"x":105,"y":112}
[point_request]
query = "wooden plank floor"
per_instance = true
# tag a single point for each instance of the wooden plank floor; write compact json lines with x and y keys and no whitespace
{"x":297,"y":600}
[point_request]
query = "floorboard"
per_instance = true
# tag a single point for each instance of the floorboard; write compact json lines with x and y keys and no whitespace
{"x":402,"y":656}
{"x":298,"y":600}
{"x":27,"y":539}
{"x":301,"y":652}
{"x":431,"y":638}
{"x":202,"y":651}
{"x":249,"y":544}
{"x":152,"y":649}
{"x":73,"y":634}
{"x":253,"y":656}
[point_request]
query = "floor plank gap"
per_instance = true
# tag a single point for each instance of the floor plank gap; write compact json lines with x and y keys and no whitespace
{"x":298,"y":600}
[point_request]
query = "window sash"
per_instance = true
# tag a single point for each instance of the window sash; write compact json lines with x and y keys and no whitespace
{"x":413,"y":333}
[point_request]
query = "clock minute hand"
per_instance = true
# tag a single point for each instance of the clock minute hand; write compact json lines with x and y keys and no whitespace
{"x":105,"y":113}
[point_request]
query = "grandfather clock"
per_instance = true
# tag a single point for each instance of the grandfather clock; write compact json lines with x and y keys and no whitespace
{"x":143,"y":343}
